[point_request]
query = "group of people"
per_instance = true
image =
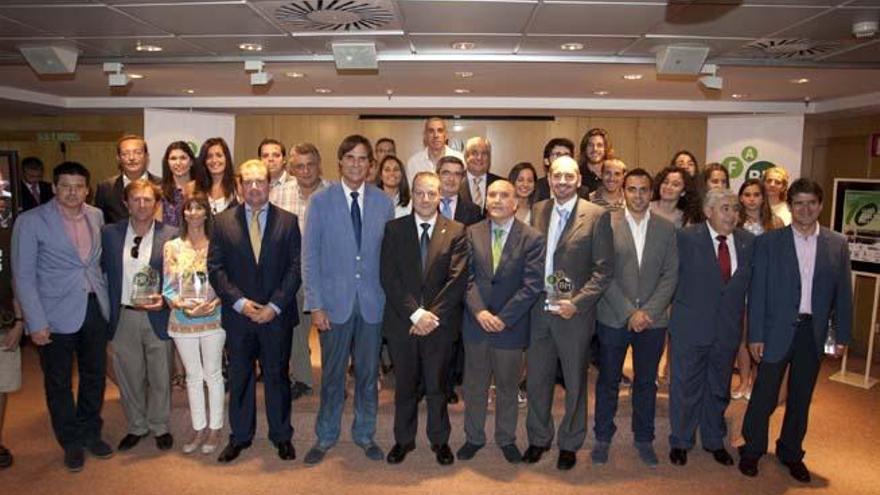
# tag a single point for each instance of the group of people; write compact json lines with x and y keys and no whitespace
{"x":466,"y":276}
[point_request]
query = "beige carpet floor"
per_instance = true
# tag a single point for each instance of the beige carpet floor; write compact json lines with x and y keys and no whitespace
{"x":843,"y":452}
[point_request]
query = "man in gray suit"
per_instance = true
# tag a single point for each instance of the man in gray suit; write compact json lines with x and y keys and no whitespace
{"x":705,"y":327}
{"x":507,"y":258}
{"x":632,"y":312}
{"x":56,"y":254}
{"x":800,"y":282}
{"x":577,"y":270}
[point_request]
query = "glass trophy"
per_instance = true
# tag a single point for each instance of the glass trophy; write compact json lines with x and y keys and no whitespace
{"x":144,"y":286}
{"x":193,"y":288}
{"x":831,"y":348}
{"x":559,"y":287}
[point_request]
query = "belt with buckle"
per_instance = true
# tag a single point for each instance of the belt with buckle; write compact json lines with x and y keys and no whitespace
{"x":802,"y":317}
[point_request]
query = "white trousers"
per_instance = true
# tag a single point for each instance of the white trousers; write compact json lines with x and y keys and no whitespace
{"x":203,"y":361}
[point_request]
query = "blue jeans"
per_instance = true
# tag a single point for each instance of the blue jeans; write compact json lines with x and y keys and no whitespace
{"x":647,"y":348}
{"x":360,"y":341}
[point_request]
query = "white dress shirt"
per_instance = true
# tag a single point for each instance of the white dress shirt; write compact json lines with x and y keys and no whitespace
{"x":417,"y":314}
{"x":805,"y":248}
{"x":553,"y":233}
{"x":360,"y":192}
{"x":639,"y":231}
{"x":421,"y":162}
{"x":130,"y":265}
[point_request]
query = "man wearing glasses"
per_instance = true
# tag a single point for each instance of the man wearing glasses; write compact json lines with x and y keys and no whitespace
{"x":132,"y":260}
{"x":132,"y":157}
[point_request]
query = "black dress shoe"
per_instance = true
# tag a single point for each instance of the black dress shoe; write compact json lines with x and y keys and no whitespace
{"x":444,"y":454}
{"x":511,"y":453}
{"x":5,"y":457}
{"x":164,"y":441}
{"x":721,"y":456}
{"x":533,"y":454}
{"x":452,"y":398}
{"x":129,"y":441}
{"x":798,"y":471}
{"x":99,"y":449}
{"x":286,"y":452}
{"x":468,"y":451}
{"x":748,"y":466}
{"x":398,"y":452}
{"x":678,"y":457}
{"x":74,"y":459}
{"x":567,"y":460}
{"x":299,"y":389}
{"x":231,"y":452}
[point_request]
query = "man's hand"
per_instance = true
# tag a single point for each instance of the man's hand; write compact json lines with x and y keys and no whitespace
{"x":41,"y":337}
{"x":155,"y":304}
{"x":489,"y":322}
{"x":426,"y":324}
{"x":320,"y":320}
{"x":10,"y":342}
{"x":264,"y":315}
{"x":639,"y":321}
{"x":757,"y":351}
{"x":251,"y":309}
{"x":565,"y":309}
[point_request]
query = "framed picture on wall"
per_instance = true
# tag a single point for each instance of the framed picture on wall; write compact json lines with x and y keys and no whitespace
{"x":856,"y":214}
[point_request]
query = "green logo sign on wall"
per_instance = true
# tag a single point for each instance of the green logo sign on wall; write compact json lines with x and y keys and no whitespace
{"x":736,"y":165}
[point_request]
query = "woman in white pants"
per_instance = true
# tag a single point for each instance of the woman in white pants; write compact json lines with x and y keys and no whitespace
{"x":195,"y":322}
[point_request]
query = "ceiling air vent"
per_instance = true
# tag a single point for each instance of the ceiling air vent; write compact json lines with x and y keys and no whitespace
{"x":334,"y":15}
{"x":796,"y":48}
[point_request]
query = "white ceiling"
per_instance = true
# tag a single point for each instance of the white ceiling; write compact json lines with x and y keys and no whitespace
{"x":516,"y":54}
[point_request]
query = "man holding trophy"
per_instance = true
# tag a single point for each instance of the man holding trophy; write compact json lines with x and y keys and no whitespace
{"x":132,"y":259}
{"x":578,"y":268}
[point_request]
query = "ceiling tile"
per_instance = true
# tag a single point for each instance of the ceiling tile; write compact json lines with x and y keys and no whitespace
{"x":465,"y":16}
{"x":744,"y":21}
{"x":866,"y":53}
{"x":203,"y":19}
{"x":299,"y":16}
{"x":550,"y":45}
{"x":568,"y":18}
{"x":228,"y":45}
{"x":483,"y":45}
{"x":127,"y":47}
{"x":8,"y":28}
{"x":79,"y":20}
{"x":647,"y":47}
{"x":834,"y":25}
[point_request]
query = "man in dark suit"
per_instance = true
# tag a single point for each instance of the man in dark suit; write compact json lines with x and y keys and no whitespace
{"x":505,"y":278}
{"x":705,"y":326}
{"x":554,"y":149}
{"x":254,"y":265}
{"x":132,"y":258}
{"x":424,"y":274}
{"x":132,"y":157}
{"x":633,"y":312}
{"x":451,"y":171}
{"x":800,"y":282}
{"x":33,"y":190}
{"x":577,"y":269}
{"x":478,"y":158}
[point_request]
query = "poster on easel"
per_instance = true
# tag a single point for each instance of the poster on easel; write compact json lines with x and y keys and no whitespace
{"x":856,"y":215}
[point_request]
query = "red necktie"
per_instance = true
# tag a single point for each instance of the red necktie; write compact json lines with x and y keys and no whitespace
{"x":723,"y":258}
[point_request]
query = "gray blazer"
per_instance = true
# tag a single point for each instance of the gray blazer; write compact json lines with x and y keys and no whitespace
{"x":48,"y":274}
{"x":648,"y":287}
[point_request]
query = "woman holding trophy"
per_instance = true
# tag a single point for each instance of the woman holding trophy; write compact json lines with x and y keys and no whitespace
{"x":194,"y":323}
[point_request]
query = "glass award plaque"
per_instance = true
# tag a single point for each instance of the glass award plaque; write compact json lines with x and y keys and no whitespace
{"x":192,"y":288}
{"x":144,"y":286}
{"x":559,"y":287}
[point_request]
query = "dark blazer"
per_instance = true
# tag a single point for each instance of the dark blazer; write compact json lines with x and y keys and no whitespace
{"x":466,"y":212}
{"x":542,"y":190}
{"x":113,"y":241}
{"x":775,"y":294}
{"x":234,"y":273}
{"x":439,"y":290}
{"x":464,"y":192}
{"x":706,"y":310}
{"x":27,"y":199}
{"x":110,"y":198}
{"x":511,"y":291}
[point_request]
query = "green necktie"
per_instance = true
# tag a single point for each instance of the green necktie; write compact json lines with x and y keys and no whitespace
{"x":497,"y":247}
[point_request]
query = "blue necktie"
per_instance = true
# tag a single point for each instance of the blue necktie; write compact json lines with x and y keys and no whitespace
{"x":445,"y":208}
{"x":356,"y":218}
{"x":563,"y":219}
{"x":423,"y":245}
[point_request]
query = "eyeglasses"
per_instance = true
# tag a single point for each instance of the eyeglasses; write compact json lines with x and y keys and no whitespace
{"x":450,"y":173}
{"x":132,"y":154}
{"x":136,"y":249}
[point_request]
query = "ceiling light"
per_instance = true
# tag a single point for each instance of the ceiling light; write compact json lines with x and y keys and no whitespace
{"x":136,"y":76}
{"x":463,"y":74}
{"x":457,"y":126}
{"x":189,"y":91}
{"x":801,"y":80}
{"x":250,"y":47}
{"x":463,"y":45}
{"x":323,"y":91}
{"x":295,"y":75}
{"x":572,"y":47}
{"x":601,"y":92}
{"x":148,"y":48}
{"x":632,"y":77}
{"x":462,"y":91}
{"x":739,"y":96}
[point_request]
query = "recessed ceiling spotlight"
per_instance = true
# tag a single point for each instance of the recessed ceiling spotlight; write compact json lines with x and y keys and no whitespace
{"x":148,"y":48}
{"x":463,"y":45}
{"x":739,"y":96}
{"x":572,"y":47}
{"x":323,"y":91}
{"x":799,"y":80}
{"x":250,"y":47}
{"x":632,"y":77}
{"x":189,"y":91}
{"x":462,"y":91}
{"x":135,"y":76}
{"x":601,"y":92}
{"x":464,"y":74}
{"x":295,"y":75}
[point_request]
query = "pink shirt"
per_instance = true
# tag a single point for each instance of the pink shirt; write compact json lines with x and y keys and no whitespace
{"x":805,"y":246}
{"x":78,"y":231}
